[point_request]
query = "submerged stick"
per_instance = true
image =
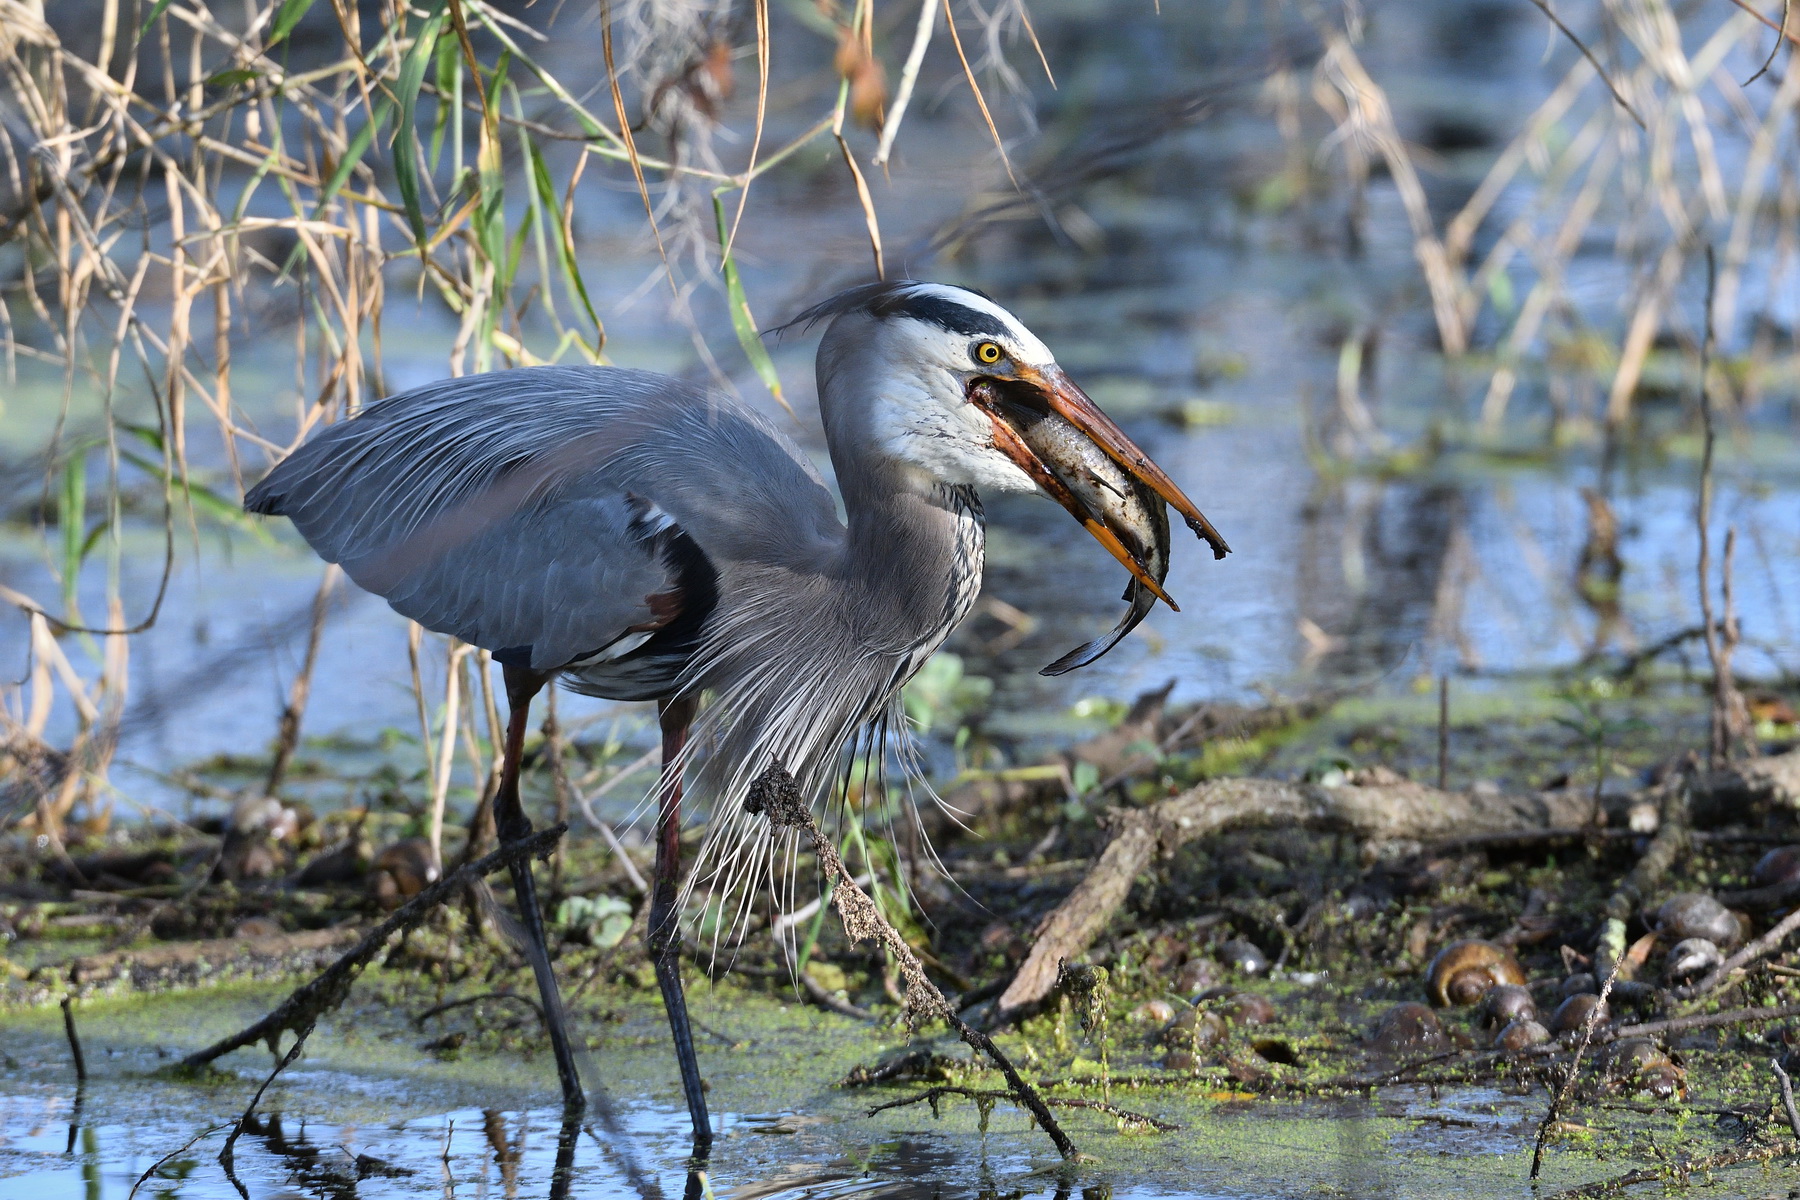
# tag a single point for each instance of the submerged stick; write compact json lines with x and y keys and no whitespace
{"x":775,"y":794}
{"x":931,"y":1095}
{"x":68,"y":1007}
{"x":311,"y":1000}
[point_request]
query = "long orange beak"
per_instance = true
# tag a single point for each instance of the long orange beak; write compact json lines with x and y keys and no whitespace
{"x":1075,"y":406}
{"x":1044,"y":414}
{"x":1009,"y":443}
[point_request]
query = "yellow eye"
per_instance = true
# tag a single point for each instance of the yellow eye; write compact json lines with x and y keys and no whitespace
{"x":988,"y":353}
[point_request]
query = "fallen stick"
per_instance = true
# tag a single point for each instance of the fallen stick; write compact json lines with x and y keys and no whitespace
{"x":932,"y":1094}
{"x":775,"y":795}
{"x":1560,"y":1096}
{"x":1679,"y":1171}
{"x":1736,"y":1016}
{"x":1383,"y":812}
{"x":1787,"y":1096}
{"x":1378,"y":812}
{"x":1772,"y":779}
{"x":327,"y":990}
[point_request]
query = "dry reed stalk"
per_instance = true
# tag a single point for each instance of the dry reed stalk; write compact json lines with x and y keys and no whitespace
{"x":1364,"y":119}
{"x":288,"y":731}
{"x":440,"y":766}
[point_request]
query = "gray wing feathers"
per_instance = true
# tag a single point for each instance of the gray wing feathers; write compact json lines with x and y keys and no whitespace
{"x":500,"y":508}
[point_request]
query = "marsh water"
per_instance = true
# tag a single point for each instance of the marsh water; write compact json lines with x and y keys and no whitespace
{"x":365,"y":1115}
{"x":1216,"y":329}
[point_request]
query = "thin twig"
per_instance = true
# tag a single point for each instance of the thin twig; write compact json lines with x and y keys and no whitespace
{"x":1443,"y":746}
{"x":1598,"y":69}
{"x":980,"y":100}
{"x":1736,"y":1016}
{"x":909,"y":76}
{"x":1781,"y":28}
{"x":174,"y":1154}
{"x":818,"y":994}
{"x":1760,"y":72}
{"x":1749,"y":953}
{"x":438,"y":1010}
{"x":1725,"y":701}
{"x":227,"y":1158}
{"x":775,"y":794}
{"x":1561,"y":1096}
{"x":1787,"y":1096}
{"x":1681,"y":1168}
{"x":68,"y":1011}
{"x":287,"y":739}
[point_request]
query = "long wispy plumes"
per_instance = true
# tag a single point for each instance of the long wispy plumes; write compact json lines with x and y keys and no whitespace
{"x":782,"y":706}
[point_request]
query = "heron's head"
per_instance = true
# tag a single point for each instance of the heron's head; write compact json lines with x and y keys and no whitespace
{"x":945,"y":381}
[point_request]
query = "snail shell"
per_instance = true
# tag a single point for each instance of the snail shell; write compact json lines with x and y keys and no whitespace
{"x":1697,"y":915}
{"x":1572,"y":1014}
{"x":1154,"y":1012}
{"x":1195,"y":1030}
{"x":401,"y":871}
{"x":1248,"y":1008}
{"x":1506,"y":1003}
{"x":1243,"y":955}
{"x":1196,"y":975}
{"x":1577,"y":984}
{"x":1639,"y":1065}
{"x":1462,"y":972}
{"x":1407,"y":1028}
{"x":1690,"y":959}
{"x":1780,"y":865}
{"x":1664,"y":1081}
{"x":1521,"y":1034}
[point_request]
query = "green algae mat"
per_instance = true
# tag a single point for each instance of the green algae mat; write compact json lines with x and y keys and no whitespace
{"x":380,"y":1107}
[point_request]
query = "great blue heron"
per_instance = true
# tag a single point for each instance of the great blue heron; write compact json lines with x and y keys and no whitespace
{"x":646,"y":539}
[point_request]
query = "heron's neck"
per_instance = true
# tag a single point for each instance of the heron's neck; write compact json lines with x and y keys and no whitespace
{"x":915,"y":546}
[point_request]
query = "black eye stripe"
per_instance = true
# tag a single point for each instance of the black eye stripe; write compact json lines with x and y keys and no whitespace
{"x":909,"y":298}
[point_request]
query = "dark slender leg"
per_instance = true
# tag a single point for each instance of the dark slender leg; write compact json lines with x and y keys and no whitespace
{"x":664,"y":938}
{"x":511,"y":823}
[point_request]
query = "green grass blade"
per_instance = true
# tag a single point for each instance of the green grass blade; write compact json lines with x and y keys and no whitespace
{"x":203,"y":499}
{"x":449,"y":75}
{"x":565,"y":244}
{"x":289,"y":16}
{"x":155,"y":12}
{"x":353,"y":154}
{"x":490,"y":214}
{"x":406,"y":135}
{"x":359,"y":145}
{"x":742,"y":323}
{"x":71,"y":520}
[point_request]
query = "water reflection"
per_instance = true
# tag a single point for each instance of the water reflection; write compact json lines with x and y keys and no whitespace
{"x":1382,"y":565}
{"x":478,"y":1154}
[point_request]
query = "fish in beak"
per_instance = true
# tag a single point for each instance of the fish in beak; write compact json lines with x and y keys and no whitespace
{"x":1080,"y":458}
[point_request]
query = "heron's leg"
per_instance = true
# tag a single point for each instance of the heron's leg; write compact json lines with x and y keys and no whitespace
{"x":511,"y":823}
{"x":664,"y":935}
